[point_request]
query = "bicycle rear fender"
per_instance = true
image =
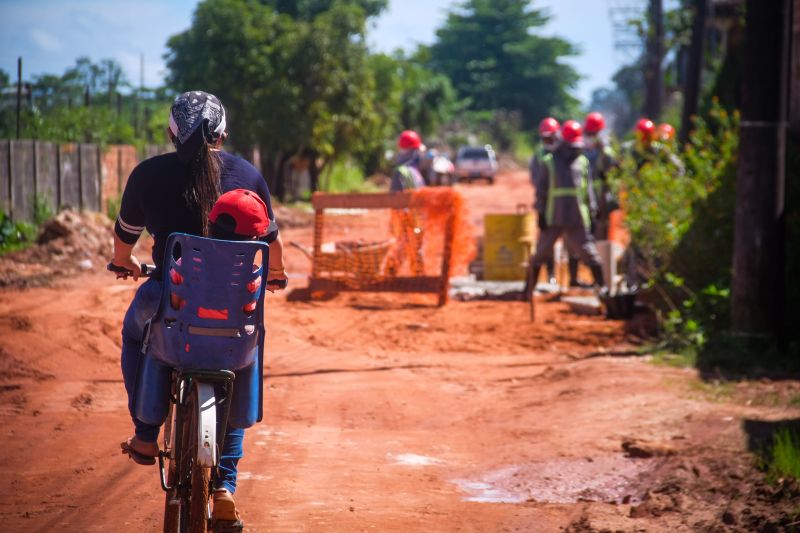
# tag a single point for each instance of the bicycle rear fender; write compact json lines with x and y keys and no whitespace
{"x":207,"y":424}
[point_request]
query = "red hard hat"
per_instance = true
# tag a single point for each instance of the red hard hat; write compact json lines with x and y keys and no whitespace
{"x":548,"y":126}
{"x":409,"y":140}
{"x":645,"y":128}
{"x":666,"y":132}
{"x":594,"y":123}
{"x":572,"y":133}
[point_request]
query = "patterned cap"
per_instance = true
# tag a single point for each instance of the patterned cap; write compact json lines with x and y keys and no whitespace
{"x":190,"y":109}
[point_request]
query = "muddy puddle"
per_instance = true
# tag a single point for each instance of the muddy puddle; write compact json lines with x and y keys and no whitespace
{"x":609,"y":479}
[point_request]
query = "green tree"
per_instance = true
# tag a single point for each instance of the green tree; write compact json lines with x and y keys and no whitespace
{"x":308,"y":9}
{"x":292,"y":87}
{"x":490,"y":51}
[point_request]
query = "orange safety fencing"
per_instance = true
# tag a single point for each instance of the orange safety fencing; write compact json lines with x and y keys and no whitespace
{"x":390,"y":242}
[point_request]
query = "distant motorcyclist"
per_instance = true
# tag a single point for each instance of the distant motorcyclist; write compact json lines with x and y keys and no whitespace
{"x":406,"y":174}
{"x":562,"y":195}
{"x":601,"y":159}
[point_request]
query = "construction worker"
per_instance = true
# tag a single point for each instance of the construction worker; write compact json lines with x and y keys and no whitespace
{"x":666,"y":133}
{"x":406,"y":174}
{"x":405,"y":225}
{"x":562,"y":197}
{"x":548,"y":135}
{"x":648,"y":148}
{"x":601,"y":159}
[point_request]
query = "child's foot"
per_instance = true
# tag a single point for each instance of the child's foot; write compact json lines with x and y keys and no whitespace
{"x":143,"y":453}
{"x":224,"y":506}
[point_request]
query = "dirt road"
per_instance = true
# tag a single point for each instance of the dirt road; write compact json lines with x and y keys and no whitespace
{"x":384,"y":413}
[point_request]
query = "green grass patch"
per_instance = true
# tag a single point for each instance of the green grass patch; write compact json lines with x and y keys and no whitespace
{"x":716,"y":391}
{"x":782,"y":460}
{"x":15,"y":235}
{"x":682,"y":359}
{"x":112,"y":207}
{"x":345,"y":176}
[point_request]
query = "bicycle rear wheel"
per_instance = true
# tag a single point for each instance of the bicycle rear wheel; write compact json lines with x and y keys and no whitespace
{"x":186,"y":507}
{"x":172,"y":502}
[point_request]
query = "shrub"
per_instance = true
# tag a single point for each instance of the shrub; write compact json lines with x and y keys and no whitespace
{"x":782,"y":460}
{"x":15,"y":235}
{"x":681,"y":226}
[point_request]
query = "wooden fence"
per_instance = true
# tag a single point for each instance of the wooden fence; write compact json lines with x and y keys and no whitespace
{"x":80,"y":176}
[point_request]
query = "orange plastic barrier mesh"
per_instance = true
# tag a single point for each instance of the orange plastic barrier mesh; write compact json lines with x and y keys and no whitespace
{"x":392,"y":242}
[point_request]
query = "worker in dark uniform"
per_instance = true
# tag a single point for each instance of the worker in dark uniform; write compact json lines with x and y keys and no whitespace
{"x":548,"y":135}
{"x":563,"y":204}
{"x":601,"y":160}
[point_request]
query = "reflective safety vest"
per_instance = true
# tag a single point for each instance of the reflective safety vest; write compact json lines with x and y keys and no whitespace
{"x":581,"y":193}
{"x":407,"y":178}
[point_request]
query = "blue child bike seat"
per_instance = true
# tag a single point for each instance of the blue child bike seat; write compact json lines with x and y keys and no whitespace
{"x":213,"y":328}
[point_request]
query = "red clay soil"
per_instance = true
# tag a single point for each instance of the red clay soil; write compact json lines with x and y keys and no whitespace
{"x":385,"y":413}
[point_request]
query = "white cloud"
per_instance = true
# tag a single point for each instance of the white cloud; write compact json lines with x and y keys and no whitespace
{"x":47,"y":42}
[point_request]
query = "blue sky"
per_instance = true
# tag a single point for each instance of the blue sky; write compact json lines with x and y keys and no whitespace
{"x":51,"y":34}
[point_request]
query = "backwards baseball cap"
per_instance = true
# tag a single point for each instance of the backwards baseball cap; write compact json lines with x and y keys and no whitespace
{"x":241,"y":212}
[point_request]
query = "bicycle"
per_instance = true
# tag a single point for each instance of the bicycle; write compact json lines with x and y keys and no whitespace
{"x":191,"y":357}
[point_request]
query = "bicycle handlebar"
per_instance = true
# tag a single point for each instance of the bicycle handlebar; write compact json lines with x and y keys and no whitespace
{"x":122,"y":272}
{"x":147,"y":270}
{"x":280,"y":283}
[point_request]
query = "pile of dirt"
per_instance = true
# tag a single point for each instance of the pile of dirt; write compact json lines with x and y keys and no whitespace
{"x":68,"y":243}
{"x":292,"y":217}
{"x":709,"y":490}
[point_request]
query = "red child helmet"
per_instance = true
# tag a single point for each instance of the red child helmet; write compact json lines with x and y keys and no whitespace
{"x":572,"y":133}
{"x":595,"y":123}
{"x":645,"y":129}
{"x":548,"y":127}
{"x":409,"y":140}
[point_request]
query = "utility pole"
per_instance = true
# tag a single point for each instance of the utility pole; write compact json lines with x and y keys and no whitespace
{"x":758,"y":243}
{"x":654,"y":54}
{"x":694,"y":76}
{"x":137,"y":110}
{"x":19,"y":93}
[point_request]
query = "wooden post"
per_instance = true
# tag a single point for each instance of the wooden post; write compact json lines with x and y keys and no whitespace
{"x":19,"y":93}
{"x":447,"y":253}
{"x":691,"y":91}
{"x":757,"y":284}
{"x":654,"y":54}
{"x":794,"y":94}
{"x":319,"y":222}
{"x":80,"y":174}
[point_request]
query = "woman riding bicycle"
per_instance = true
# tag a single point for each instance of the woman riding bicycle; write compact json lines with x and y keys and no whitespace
{"x":171,"y":193}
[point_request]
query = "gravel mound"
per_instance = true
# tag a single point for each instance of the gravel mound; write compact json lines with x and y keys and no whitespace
{"x":69,"y":243}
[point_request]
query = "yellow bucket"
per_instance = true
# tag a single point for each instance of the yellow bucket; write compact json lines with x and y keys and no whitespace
{"x":508,"y":239}
{"x":499,"y":228}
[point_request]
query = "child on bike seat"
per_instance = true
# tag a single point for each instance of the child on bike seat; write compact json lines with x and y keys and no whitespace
{"x":238,"y":215}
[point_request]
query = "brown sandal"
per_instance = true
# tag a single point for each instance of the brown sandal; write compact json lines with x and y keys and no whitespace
{"x":140,"y":456}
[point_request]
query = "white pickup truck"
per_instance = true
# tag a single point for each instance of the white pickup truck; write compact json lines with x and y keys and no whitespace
{"x":476,"y":162}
